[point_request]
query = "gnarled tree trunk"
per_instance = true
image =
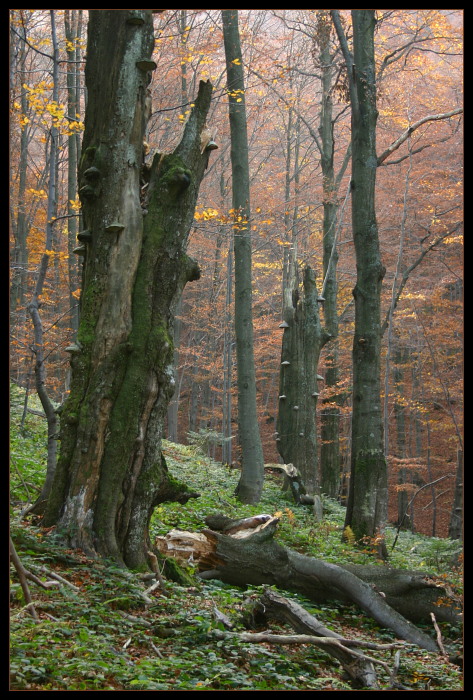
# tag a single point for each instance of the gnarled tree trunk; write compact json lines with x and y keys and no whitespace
{"x":111,"y":472}
{"x":298,"y":383}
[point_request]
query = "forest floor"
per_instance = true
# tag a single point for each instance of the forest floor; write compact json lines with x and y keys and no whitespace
{"x":97,"y":629}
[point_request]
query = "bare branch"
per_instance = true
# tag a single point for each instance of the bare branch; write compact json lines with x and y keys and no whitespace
{"x":404,"y":136}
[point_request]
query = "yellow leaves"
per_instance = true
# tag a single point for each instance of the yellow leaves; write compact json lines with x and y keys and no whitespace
{"x":349,"y":536}
{"x":50,"y":112}
{"x":75,"y":204}
{"x":236,"y":61}
{"x":39,"y":194}
{"x":458,"y":238}
{"x":207,"y":214}
{"x":234,"y":95}
{"x":287,"y":514}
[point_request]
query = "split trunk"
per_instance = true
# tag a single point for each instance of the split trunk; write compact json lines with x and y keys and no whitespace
{"x":111,"y":472}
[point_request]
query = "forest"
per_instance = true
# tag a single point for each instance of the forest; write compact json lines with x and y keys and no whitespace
{"x":236,"y":349}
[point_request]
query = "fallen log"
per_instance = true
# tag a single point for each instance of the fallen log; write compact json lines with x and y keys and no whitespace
{"x":273,"y":606}
{"x":255,"y":558}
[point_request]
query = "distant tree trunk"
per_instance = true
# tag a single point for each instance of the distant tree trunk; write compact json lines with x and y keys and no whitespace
{"x":173,"y":410}
{"x":455,"y":529}
{"x":330,"y":415}
{"x":111,"y":472}
{"x":72,"y":24}
{"x":298,"y":385}
{"x":20,"y":223}
{"x":250,"y":485}
{"x":368,"y":491}
{"x":35,"y":304}
{"x":405,"y":475}
{"x":303,"y":338}
{"x":228,"y":341}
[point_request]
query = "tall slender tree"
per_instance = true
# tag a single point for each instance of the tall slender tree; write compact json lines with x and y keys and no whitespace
{"x":368,"y":491}
{"x":252,"y":463}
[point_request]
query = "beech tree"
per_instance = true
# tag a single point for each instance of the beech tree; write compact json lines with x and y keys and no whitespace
{"x":111,"y":472}
{"x":252,"y":463}
{"x":368,"y":490}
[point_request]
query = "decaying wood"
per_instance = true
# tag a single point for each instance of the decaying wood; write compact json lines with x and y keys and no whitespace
{"x":273,"y":606}
{"x":392,"y":597}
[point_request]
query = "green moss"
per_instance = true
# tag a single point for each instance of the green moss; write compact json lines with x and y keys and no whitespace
{"x":175,"y":572}
{"x":90,"y":300}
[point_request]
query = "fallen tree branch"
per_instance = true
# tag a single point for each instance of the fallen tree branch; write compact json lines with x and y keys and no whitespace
{"x":251,"y":557}
{"x":57,"y":577}
{"x":273,"y":606}
{"x":272,"y":638}
{"x":439,"y":635}
{"x":24,"y":575}
{"x":329,"y":644}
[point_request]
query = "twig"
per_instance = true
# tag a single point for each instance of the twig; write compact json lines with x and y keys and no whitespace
{"x":439,"y":635}
{"x":21,"y":571}
{"x":133,"y":618}
{"x":156,"y":650}
{"x":153,"y":587}
{"x":155,"y":567}
{"x":58,"y":578}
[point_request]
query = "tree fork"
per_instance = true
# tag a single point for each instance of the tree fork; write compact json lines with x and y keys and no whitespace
{"x":111,"y":473}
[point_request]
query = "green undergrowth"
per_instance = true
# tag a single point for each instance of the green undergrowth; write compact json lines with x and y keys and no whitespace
{"x":99,"y":630}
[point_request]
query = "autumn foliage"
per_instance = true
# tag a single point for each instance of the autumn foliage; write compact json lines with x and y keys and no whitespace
{"x":419,"y":211}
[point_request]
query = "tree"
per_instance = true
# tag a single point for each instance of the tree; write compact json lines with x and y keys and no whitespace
{"x":35,"y":303}
{"x":252,"y":463}
{"x":111,"y":472}
{"x":368,"y":491}
{"x":298,"y":383}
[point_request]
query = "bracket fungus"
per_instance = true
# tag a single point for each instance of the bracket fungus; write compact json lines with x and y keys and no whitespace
{"x":114,"y":227}
{"x":146,"y":65}
{"x":84,"y":236}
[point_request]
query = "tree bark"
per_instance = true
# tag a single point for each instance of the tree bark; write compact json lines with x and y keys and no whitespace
{"x":72,"y":27}
{"x":111,"y":472}
{"x":250,"y":485}
{"x":455,"y":528}
{"x":298,"y":384}
{"x":394,"y":598}
{"x":368,"y":489}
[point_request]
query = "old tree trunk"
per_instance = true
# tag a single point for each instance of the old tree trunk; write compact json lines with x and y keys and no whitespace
{"x":302,"y":342}
{"x":111,"y":472}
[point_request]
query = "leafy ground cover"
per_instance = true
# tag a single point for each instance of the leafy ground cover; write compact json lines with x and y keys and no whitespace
{"x":98,"y":631}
